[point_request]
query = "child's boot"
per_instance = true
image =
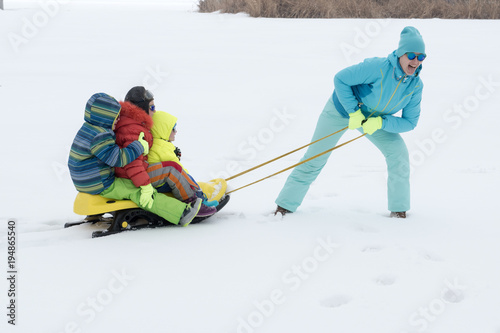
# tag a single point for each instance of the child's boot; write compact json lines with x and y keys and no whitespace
{"x":206,"y":211}
{"x":191,"y":212}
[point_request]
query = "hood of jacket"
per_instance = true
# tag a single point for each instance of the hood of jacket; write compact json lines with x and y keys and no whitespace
{"x":132,"y":114}
{"x":163,"y":123}
{"x":398,"y":71}
{"x":101,"y":110}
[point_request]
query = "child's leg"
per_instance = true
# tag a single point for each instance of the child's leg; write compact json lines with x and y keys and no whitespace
{"x":182,"y":185}
{"x":191,"y":177}
{"x":169,"y":208}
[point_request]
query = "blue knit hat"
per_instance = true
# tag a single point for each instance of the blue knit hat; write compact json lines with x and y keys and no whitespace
{"x":410,"y":41}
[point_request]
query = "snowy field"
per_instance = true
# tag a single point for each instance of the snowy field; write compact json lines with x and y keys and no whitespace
{"x":246,"y":90}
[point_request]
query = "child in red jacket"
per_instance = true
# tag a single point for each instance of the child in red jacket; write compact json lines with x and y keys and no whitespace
{"x":136,"y":117}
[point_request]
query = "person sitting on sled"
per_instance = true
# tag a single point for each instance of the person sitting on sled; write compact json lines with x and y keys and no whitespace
{"x":136,"y":117}
{"x":95,"y":155}
{"x":179,"y":182}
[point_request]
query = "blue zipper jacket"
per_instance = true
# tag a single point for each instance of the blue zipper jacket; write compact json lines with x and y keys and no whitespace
{"x":379,"y":85}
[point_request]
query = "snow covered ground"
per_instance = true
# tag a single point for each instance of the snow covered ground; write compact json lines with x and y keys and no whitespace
{"x":246,"y":90}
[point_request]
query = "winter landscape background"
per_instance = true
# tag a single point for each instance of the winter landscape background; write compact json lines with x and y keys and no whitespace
{"x":246,"y":90}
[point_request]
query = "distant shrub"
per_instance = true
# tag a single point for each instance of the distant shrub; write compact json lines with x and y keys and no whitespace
{"x":448,"y":9}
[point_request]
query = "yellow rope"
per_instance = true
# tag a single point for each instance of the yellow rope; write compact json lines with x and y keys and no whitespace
{"x":307,"y":145}
{"x":277,"y":158}
{"x":302,"y":162}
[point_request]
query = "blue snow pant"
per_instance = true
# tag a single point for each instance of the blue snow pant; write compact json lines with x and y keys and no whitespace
{"x":391,"y":145}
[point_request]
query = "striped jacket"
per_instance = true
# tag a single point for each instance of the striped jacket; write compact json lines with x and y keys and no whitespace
{"x":94,"y":152}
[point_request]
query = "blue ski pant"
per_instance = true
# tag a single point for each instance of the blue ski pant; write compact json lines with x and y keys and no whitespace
{"x":391,"y":145}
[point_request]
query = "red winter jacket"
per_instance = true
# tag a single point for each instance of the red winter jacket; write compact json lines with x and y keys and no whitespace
{"x":133,"y":120}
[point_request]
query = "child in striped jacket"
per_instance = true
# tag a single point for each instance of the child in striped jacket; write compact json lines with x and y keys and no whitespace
{"x":94,"y":152}
{"x":94,"y":155}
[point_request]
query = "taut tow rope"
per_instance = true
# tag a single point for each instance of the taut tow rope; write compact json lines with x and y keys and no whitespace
{"x":307,"y":145}
{"x":293,"y":166}
{"x":277,"y":158}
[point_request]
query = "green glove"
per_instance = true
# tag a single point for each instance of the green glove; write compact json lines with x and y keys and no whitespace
{"x":355,"y":119}
{"x":146,"y":199}
{"x":144,"y":144}
{"x":371,"y":125}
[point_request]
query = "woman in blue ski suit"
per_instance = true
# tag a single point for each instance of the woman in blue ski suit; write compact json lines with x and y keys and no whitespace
{"x":367,"y":96}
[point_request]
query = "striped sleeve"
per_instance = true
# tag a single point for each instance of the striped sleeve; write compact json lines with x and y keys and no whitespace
{"x":105,"y":149}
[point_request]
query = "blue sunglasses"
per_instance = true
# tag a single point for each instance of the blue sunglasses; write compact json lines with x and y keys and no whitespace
{"x":412,"y":55}
{"x":152,"y":107}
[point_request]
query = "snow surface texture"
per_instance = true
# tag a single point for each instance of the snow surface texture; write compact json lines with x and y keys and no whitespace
{"x":246,"y":90}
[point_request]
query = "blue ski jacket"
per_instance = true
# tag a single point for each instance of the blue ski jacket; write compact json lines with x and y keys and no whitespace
{"x":380,"y":86}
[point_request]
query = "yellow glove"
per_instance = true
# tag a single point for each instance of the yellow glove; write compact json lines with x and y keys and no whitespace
{"x":355,"y":119}
{"x":144,"y":144}
{"x":146,"y":199}
{"x":371,"y":125}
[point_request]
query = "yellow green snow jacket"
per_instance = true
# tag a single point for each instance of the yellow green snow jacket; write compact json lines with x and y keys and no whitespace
{"x":162,"y":149}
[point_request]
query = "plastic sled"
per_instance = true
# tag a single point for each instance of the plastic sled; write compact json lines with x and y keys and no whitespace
{"x":124,"y":215}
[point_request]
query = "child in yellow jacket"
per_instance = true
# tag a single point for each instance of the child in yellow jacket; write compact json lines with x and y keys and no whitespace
{"x":178,"y":181}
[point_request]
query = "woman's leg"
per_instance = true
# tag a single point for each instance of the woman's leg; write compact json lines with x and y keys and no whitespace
{"x":299,"y":181}
{"x":397,"y":158}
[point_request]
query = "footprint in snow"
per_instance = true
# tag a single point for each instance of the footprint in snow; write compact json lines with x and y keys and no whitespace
{"x":385,"y":280}
{"x":431,"y":256}
{"x":366,"y":229}
{"x":453,"y":295}
{"x":335,"y":301}
{"x":372,"y":248}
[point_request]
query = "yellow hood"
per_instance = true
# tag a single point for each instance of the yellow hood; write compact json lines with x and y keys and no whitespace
{"x":163,"y":123}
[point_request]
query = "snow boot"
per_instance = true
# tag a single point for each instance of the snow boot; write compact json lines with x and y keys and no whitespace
{"x":398,"y":215}
{"x":206,"y":210}
{"x":282,"y":211}
{"x":190,"y":213}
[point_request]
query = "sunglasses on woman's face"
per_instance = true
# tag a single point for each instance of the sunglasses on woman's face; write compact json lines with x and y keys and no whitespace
{"x":152,"y":107}
{"x":413,"y":55}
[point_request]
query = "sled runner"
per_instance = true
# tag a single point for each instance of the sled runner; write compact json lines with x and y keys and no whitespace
{"x":122,"y":215}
